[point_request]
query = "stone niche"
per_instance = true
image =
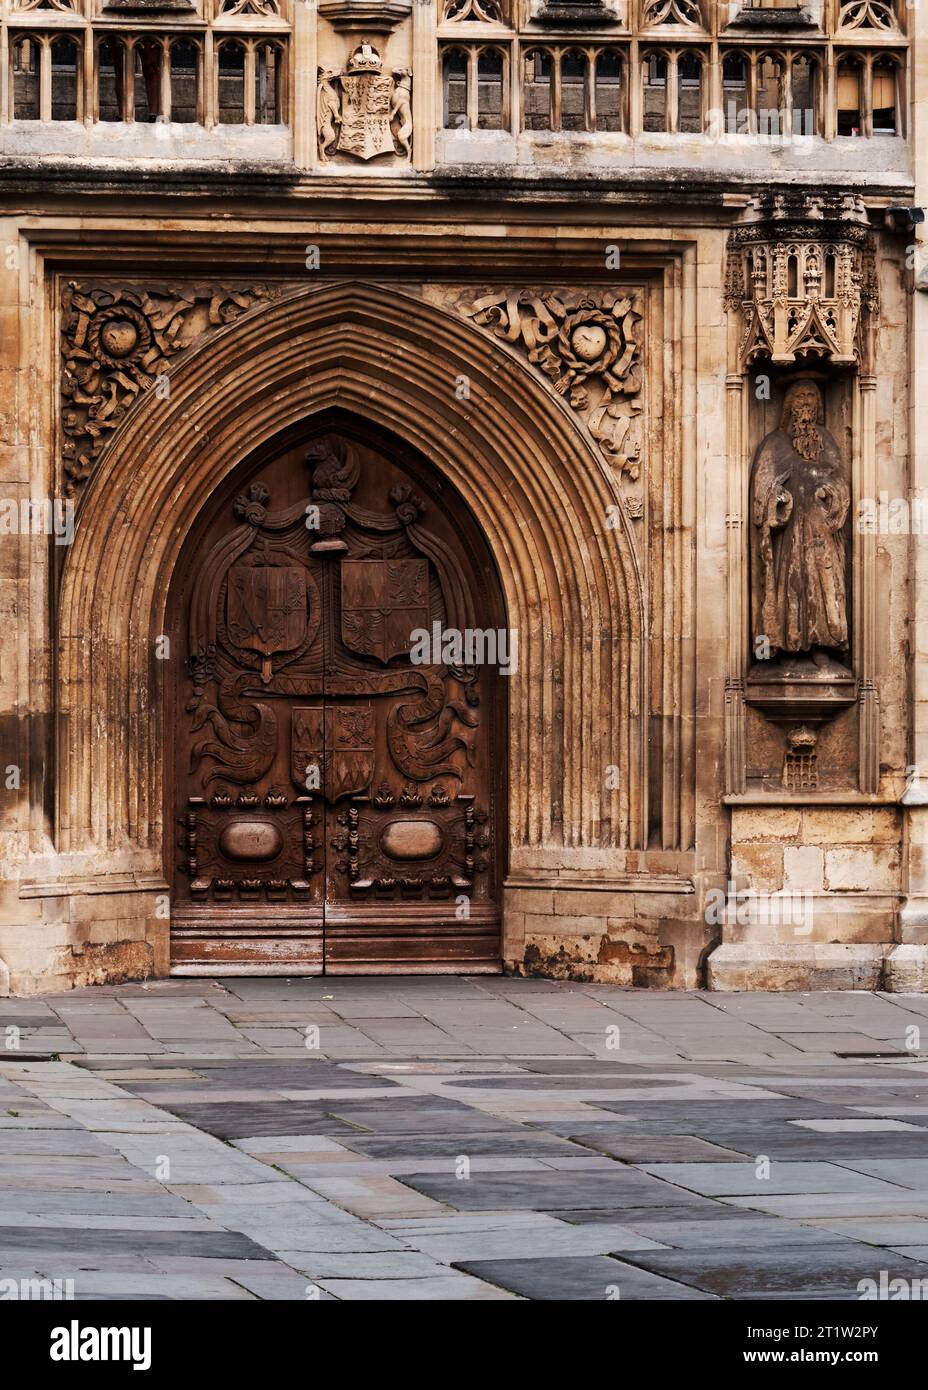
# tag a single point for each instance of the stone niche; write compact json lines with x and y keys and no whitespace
{"x":801,"y":284}
{"x":800,"y":686}
{"x":815,"y":698}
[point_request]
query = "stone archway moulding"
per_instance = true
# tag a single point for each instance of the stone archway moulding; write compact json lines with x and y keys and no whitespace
{"x":530,"y":474}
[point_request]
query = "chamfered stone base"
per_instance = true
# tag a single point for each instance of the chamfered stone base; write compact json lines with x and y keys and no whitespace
{"x":783,"y":966}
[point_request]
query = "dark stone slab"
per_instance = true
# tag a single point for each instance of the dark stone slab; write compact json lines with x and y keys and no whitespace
{"x":239,"y":1120}
{"x":575,"y":1278}
{"x":598,"y":1188}
{"x":509,"y":1142}
{"x":703,"y":1210}
{"x":409,"y":1116}
{"x":48,"y":1020}
{"x":216,"y":1244}
{"x":798,"y":1145}
{"x":575,"y":1082}
{"x":659,"y":1148}
{"x":293,"y":1075}
{"x":834,"y":1268}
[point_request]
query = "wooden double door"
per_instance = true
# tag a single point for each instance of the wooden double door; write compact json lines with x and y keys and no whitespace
{"x":337,"y":790}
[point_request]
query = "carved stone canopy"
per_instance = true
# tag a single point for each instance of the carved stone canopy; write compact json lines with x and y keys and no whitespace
{"x":576,"y":13}
{"x":802,"y":274}
{"x":371,"y":16}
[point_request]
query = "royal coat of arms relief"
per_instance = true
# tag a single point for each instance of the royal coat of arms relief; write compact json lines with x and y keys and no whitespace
{"x":362,"y":111}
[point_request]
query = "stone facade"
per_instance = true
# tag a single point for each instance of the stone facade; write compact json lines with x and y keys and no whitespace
{"x":577,"y":259}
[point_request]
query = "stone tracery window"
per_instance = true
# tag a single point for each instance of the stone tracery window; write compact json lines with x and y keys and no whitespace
{"x":573,"y":88}
{"x":868,"y":14}
{"x":481,"y":11}
{"x":673,"y":90}
{"x":671,"y":12}
{"x":655,"y":106}
{"x":475,"y":87}
{"x":45,"y":76}
{"x":869,"y":93}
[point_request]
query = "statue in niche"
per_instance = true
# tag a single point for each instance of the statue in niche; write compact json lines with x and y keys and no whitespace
{"x":800,"y":497}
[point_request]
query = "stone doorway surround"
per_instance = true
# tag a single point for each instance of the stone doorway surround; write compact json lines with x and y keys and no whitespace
{"x":601,"y":559}
{"x":552,"y":511}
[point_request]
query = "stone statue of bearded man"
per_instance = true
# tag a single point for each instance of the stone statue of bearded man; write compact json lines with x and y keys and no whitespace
{"x":799,"y":505}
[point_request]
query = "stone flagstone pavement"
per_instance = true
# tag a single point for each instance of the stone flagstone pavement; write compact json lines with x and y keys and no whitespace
{"x":452,"y":1138}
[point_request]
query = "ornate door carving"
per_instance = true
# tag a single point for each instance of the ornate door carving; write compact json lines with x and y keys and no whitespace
{"x":337,"y":801}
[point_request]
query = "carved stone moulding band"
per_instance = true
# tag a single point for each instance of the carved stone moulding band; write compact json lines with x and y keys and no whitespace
{"x":802,"y":274}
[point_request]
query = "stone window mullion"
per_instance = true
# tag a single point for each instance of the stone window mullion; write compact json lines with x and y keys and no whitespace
{"x":554,"y":109}
{"x":249,"y":81}
{"x":45,"y":77}
{"x":473,"y":86}
{"x":589,"y":85}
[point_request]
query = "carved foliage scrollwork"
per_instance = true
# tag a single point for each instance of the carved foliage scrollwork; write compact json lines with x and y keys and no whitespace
{"x":588,"y":345}
{"x":117,"y":343}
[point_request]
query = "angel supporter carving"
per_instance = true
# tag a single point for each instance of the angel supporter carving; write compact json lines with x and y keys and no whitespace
{"x":800,"y":497}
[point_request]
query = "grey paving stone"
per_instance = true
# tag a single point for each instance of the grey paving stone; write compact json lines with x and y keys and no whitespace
{"x":576,"y":1278}
{"x":834,"y":1269}
{"x":513,"y":1141}
{"x":96,"y":1241}
{"x":740,"y":1179}
{"x":659,"y":1148}
{"x":548,"y":1239}
{"x":547,"y":1191}
{"x":451,"y":1285}
{"x":716,"y":1231}
{"x":233,"y":1121}
{"x":908,"y":1172}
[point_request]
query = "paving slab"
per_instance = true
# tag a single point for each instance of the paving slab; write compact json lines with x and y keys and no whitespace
{"x":573,"y":1278}
{"x":189,"y":1145}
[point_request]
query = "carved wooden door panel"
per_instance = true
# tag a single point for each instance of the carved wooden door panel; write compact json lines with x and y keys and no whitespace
{"x":337,"y":784}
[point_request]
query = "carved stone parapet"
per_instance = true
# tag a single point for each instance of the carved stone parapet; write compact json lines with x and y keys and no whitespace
{"x":802,"y":274}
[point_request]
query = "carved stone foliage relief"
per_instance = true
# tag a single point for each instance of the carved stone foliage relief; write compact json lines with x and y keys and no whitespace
{"x":588,"y":345}
{"x":117,"y":344}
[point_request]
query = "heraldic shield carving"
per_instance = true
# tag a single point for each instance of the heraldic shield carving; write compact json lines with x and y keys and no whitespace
{"x":364,"y":111}
{"x":329,"y":790}
{"x":383,"y":602}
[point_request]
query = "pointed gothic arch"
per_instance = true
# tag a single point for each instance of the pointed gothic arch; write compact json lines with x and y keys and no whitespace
{"x":531,"y":476}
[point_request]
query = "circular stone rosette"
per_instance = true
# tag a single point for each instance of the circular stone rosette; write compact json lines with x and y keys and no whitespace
{"x":119,"y":335}
{"x":590,"y":342}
